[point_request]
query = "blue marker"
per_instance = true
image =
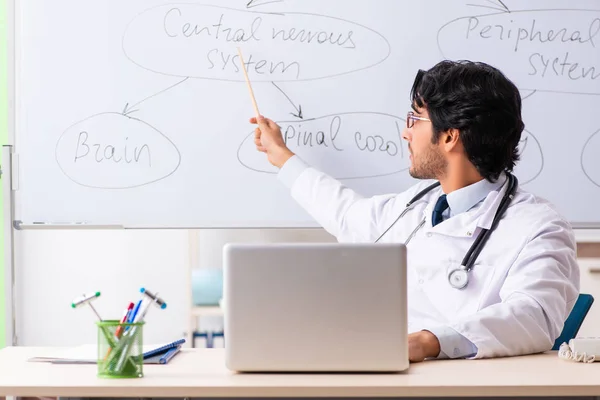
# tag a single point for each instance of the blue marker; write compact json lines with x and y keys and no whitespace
{"x":131,"y":316}
{"x":135,"y":311}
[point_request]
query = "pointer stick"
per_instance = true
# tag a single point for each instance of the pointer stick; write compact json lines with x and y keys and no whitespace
{"x":248,"y":83}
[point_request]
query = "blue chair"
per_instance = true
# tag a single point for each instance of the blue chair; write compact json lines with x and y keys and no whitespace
{"x":575,"y":319}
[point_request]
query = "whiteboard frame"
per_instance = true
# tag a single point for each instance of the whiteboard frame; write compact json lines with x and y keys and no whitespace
{"x":8,"y":193}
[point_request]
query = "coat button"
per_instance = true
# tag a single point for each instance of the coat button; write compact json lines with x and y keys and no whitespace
{"x":429,"y":234}
{"x":421,"y":281}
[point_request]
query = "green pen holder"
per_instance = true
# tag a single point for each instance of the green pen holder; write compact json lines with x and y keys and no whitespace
{"x":120,"y":350}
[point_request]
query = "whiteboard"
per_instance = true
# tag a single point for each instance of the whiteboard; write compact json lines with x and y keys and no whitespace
{"x":135,"y":113}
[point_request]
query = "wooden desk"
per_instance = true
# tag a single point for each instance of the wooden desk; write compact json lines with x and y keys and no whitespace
{"x":202,"y":373}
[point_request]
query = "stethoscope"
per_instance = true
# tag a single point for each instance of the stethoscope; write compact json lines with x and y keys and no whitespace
{"x":459,"y":277}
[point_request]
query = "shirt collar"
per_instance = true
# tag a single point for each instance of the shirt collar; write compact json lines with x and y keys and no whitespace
{"x":465,"y":198}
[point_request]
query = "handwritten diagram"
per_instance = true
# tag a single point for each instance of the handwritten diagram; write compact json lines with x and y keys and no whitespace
{"x":193,"y":41}
{"x":116,"y":149}
{"x":374,"y":138}
{"x":590,"y":153}
{"x":532,"y":46}
{"x":531,"y":152}
{"x":199,"y":41}
{"x":117,"y":142}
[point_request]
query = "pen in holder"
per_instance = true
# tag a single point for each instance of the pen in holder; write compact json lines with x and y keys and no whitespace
{"x":120,"y":357}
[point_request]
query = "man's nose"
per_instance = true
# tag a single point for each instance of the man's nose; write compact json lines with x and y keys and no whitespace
{"x":406,"y":135}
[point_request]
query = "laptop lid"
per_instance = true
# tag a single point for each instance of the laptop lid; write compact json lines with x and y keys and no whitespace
{"x":315,"y":307}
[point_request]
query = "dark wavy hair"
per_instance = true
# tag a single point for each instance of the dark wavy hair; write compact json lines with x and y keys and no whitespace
{"x":482,"y":104}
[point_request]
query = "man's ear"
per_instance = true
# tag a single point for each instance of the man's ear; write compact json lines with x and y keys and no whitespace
{"x":451,"y":139}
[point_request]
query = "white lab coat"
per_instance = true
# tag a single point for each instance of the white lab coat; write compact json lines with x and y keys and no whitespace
{"x":521,"y":289}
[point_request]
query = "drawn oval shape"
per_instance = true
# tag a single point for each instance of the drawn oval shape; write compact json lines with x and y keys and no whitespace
{"x":543,"y":50}
{"x":532,"y":158}
{"x":115,"y":151}
{"x":200,"y":41}
{"x":589,"y":158}
{"x":345,"y":146}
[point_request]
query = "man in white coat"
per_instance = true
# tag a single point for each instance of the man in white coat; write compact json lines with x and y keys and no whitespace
{"x":463,"y":131}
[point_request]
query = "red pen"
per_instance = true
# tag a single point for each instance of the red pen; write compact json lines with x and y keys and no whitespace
{"x":119,"y":330}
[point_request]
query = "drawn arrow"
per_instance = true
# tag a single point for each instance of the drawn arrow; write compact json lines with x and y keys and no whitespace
{"x":503,"y":6}
{"x":258,"y":3}
{"x":529,"y":95}
{"x":494,"y":5}
{"x":128,"y":109}
{"x":298,"y":109}
{"x":524,"y":141}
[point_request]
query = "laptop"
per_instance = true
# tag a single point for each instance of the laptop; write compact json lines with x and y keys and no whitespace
{"x":315,"y":307}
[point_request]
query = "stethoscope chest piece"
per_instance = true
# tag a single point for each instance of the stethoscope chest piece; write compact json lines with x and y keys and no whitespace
{"x":458,"y":278}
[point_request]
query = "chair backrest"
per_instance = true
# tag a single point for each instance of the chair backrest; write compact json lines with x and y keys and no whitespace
{"x":575,"y":319}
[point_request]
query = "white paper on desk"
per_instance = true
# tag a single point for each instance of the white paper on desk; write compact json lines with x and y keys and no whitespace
{"x":84,"y":354}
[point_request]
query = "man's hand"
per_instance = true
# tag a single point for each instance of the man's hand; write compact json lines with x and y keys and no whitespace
{"x":422,"y":345}
{"x":268,"y":139}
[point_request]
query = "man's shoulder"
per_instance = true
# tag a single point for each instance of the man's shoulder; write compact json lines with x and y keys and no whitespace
{"x":537,"y":209}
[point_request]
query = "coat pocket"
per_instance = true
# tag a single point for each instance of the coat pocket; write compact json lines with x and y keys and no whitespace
{"x":455,"y":303}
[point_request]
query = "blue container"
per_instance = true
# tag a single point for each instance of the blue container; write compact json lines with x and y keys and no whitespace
{"x":207,"y":286}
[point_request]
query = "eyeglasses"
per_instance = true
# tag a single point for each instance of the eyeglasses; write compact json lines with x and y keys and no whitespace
{"x":411,"y":118}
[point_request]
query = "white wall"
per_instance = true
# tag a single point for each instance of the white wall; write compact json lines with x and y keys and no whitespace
{"x":53,"y":267}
